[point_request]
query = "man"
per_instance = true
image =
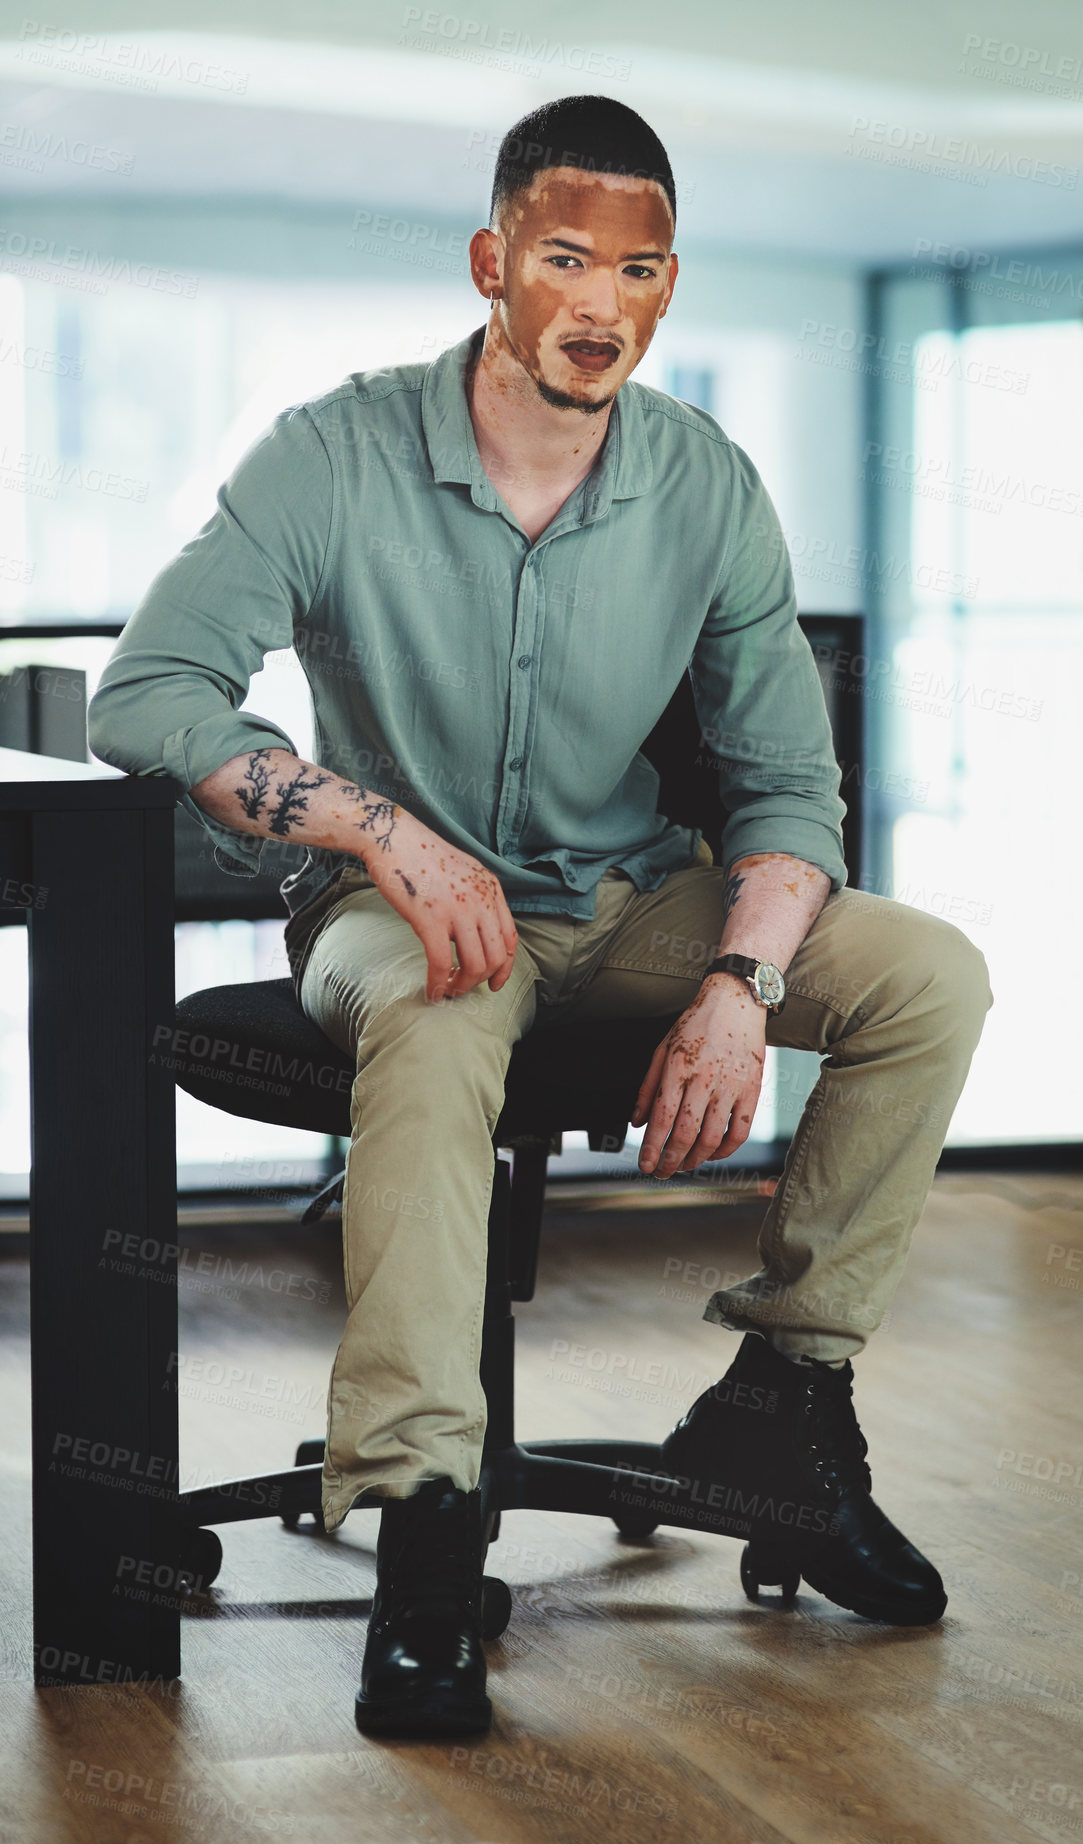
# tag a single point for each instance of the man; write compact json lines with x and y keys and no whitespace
{"x":495,"y":569}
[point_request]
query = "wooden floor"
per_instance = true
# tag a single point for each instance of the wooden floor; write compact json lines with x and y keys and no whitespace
{"x":638,"y":1695}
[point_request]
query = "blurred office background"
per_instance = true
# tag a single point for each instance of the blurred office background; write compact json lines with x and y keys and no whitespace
{"x":209,"y":215}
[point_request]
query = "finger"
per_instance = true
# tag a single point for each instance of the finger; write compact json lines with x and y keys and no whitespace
{"x":744,"y":1110}
{"x":472,"y":968}
{"x":507,"y":921}
{"x":501,"y":977}
{"x":739,"y":1129}
{"x":503,"y":974}
{"x":509,"y":937}
{"x":493,"y":947}
{"x":649,"y":1084}
{"x":710,"y":1136}
{"x":685,"y":1128}
{"x":663,"y":1115}
{"x":438,"y":954}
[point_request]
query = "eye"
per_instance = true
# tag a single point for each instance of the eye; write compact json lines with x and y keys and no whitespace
{"x":639,"y":271}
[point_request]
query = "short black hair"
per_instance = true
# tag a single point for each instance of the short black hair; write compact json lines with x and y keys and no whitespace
{"x":595,"y":133}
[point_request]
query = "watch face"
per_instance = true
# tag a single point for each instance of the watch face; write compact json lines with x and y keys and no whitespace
{"x":769,"y":983}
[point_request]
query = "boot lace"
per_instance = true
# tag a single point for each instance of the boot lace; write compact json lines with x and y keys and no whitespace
{"x":838,"y":1447}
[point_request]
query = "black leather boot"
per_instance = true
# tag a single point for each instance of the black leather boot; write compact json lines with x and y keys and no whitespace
{"x":773,"y":1452}
{"x":423,"y":1671}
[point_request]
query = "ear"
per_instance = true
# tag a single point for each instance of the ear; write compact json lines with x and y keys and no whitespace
{"x":487,"y":263}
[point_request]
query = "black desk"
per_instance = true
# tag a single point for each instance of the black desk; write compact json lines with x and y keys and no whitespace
{"x":87,"y":853}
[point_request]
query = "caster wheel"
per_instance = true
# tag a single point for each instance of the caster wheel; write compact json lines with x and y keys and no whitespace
{"x":199,"y":1557}
{"x":495,"y":1606}
{"x":758,"y":1571}
{"x":636,"y":1525}
{"x":309,"y":1453}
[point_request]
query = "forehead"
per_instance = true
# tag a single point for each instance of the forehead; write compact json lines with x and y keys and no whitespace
{"x":597,"y":204}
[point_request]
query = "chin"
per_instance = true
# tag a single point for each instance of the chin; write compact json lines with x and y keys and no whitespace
{"x":562,"y":399}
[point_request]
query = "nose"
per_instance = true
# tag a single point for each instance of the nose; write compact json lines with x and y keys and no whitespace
{"x":597,"y":298}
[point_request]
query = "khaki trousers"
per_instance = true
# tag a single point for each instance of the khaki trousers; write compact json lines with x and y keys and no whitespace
{"x":892,"y":999}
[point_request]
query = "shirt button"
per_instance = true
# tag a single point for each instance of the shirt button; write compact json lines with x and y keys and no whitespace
{"x":516,"y":762}
{"x":524,"y":659}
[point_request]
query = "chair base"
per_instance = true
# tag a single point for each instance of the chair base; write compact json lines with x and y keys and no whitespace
{"x":617,"y":1480}
{"x":610,"y":1479}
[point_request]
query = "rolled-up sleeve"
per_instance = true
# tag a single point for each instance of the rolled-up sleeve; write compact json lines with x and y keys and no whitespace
{"x":167,"y":702}
{"x":759,"y":700}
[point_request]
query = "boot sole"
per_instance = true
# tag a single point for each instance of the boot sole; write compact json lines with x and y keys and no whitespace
{"x":925,"y":1613}
{"x":424,"y":1718}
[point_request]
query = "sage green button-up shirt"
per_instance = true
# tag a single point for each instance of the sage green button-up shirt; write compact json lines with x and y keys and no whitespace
{"x":496,"y":688}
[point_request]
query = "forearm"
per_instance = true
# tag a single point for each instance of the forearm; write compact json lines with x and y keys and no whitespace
{"x":275,"y":794}
{"x":769,"y":903}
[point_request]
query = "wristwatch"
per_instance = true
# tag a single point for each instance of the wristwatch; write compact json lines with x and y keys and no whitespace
{"x":764,"y":979}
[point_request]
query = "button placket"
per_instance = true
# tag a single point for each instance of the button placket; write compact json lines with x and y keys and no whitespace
{"x":512,"y":799}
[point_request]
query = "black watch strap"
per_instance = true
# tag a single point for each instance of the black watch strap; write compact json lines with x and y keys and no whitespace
{"x":744,"y":964}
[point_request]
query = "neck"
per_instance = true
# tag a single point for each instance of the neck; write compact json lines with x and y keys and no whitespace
{"x":520,"y":437}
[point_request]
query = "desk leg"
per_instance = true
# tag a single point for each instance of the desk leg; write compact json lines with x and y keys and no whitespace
{"x":103,"y":1254}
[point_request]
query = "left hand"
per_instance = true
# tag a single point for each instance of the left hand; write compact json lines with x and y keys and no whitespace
{"x":703,"y":1082}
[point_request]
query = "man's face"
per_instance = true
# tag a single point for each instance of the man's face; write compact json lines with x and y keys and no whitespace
{"x":584,"y":274}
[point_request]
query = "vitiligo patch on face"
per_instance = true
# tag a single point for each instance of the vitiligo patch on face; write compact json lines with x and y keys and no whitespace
{"x":610,"y":287}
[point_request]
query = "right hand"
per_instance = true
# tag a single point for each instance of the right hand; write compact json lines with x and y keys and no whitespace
{"x":448,"y":898}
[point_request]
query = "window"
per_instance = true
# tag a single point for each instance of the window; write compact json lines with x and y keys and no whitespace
{"x":980,"y":710}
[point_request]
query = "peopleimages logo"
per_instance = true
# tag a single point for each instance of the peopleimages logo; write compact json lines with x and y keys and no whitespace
{"x":1029,"y":60}
{"x":988,"y":265}
{"x":953,"y":155}
{"x":447,"y":30}
{"x":28,"y":147}
{"x":937,"y":476}
{"x":123,"y":61}
{"x":94,"y":267}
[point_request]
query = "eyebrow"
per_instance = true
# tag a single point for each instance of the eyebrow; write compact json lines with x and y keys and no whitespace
{"x":634,"y":256}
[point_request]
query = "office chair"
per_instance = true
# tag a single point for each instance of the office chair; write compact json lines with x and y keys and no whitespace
{"x":579,"y":1077}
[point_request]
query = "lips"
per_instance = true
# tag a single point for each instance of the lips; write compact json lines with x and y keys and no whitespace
{"x":592,"y":354}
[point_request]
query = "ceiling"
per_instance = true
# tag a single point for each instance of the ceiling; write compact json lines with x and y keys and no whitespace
{"x":857,"y":133}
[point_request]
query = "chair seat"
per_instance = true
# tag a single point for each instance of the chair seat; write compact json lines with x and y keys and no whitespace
{"x":251,"y":1050}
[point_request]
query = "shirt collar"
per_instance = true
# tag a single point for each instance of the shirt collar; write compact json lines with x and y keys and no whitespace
{"x":624,"y":470}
